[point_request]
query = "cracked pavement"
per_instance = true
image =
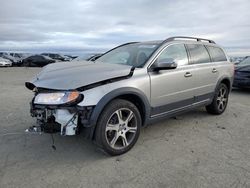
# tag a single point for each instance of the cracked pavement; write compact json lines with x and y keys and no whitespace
{"x":192,"y":150}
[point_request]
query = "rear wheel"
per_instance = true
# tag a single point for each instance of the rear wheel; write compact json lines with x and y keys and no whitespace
{"x":118,"y":127}
{"x":220,"y":100}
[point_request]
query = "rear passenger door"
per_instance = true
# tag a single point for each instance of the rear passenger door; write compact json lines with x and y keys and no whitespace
{"x":219,"y":59}
{"x":205,"y":72}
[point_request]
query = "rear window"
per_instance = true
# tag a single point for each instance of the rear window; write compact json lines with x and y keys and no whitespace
{"x":216,"y":53}
{"x":198,"y":53}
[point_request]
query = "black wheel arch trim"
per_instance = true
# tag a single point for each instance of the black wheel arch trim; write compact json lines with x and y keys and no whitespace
{"x":221,"y":80}
{"x":115,"y":94}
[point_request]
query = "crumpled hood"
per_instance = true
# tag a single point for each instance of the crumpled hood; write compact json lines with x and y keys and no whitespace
{"x":73,"y":75}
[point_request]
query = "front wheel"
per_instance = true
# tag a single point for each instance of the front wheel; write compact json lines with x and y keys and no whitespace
{"x":220,"y":100}
{"x":118,"y":127}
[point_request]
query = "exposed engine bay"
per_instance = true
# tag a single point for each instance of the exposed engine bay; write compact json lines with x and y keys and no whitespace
{"x":65,"y":119}
{"x":54,"y":121}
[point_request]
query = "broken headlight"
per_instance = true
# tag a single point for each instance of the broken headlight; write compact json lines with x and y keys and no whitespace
{"x":57,"y":98}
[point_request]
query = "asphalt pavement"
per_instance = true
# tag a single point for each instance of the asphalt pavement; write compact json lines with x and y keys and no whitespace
{"x":192,"y":150}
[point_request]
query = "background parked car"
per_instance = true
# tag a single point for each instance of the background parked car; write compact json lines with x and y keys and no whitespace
{"x":71,"y":57}
{"x":37,"y":61}
{"x":5,"y":62}
{"x":6,"y":55}
{"x":237,"y":60}
{"x":18,"y":58}
{"x":56,"y":56}
{"x":242,"y":74}
{"x":88,"y":57}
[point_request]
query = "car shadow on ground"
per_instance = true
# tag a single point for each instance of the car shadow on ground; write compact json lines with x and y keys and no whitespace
{"x":241,"y":90}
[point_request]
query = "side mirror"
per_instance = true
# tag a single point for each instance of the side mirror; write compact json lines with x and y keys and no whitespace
{"x":164,"y":64}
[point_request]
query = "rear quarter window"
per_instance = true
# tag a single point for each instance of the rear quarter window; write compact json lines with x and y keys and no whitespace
{"x":198,"y":53}
{"x":216,"y":54}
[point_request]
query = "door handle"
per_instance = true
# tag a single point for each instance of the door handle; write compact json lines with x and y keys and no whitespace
{"x":214,"y":70}
{"x":188,"y":74}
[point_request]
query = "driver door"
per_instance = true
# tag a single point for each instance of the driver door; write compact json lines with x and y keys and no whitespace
{"x":172,"y":90}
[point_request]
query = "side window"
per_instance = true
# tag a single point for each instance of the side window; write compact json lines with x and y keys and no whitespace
{"x":175,"y":52}
{"x":198,"y":53}
{"x":216,"y":53}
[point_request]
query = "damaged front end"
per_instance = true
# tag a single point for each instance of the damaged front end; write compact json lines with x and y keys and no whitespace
{"x":58,"y":112}
{"x":59,"y":89}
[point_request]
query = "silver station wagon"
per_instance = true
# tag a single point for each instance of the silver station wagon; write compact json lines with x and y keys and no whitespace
{"x":128,"y":87}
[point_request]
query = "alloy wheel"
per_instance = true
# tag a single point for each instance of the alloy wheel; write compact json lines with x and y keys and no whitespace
{"x":121,"y":128}
{"x":222,"y":99}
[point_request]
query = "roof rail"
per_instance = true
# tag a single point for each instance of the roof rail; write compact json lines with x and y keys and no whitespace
{"x":182,"y":37}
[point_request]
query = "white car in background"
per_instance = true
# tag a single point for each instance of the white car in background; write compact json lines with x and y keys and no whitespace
{"x":5,"y":62}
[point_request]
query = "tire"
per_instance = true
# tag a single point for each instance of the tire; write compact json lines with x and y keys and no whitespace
{"x":118,"y":127}
{"x":220,"y":100}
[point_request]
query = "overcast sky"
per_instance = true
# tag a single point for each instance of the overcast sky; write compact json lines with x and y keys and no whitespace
{"x":96,"y":25}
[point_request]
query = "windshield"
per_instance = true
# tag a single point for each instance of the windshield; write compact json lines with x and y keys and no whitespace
{"x":245,"y":62}
{"x":135,"y":54}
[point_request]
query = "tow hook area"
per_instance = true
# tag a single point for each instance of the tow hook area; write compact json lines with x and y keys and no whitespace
{"x":34,"y":129}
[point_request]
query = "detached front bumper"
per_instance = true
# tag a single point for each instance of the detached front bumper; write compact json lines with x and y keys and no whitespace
{"x":66,"y":120}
